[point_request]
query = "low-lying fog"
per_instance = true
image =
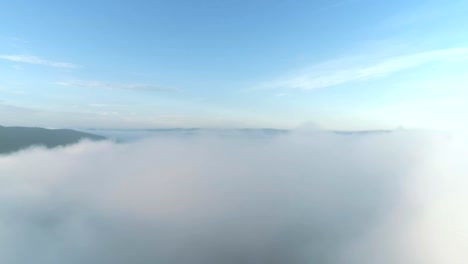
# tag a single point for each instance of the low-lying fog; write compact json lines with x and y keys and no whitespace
{"x":301,"y":197}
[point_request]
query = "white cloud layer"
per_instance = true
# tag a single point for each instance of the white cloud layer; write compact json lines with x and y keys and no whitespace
{"x":37,"y":60}
{"x":326,"y":75}
{"x":309,"y":197}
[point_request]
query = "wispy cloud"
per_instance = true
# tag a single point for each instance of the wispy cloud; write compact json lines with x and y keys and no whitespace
{"x":12,"y":91}
{"x":106,"y":105}
{"x":9,"y":111}
{"x":115,"y":86}
{"x":37,"y":60}
{"x":325,"y":75}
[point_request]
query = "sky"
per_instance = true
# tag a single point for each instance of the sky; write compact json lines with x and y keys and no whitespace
{"x":344,"y":65}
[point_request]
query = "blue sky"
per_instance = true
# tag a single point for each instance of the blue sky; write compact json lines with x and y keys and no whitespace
{"x":347,"y":64}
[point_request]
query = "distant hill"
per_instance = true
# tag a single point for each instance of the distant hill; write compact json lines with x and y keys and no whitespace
{"x":362,"y":132}
{"x":16,"y":138}
{"x":131,"y":135}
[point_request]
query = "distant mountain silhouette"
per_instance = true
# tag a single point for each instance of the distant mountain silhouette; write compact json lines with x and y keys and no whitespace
{"x":16,"y":138}
{"x":362,"y":132}
{"x":131,"y":135}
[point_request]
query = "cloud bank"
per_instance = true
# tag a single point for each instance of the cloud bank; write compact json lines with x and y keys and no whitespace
{"x":308,"y":197}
